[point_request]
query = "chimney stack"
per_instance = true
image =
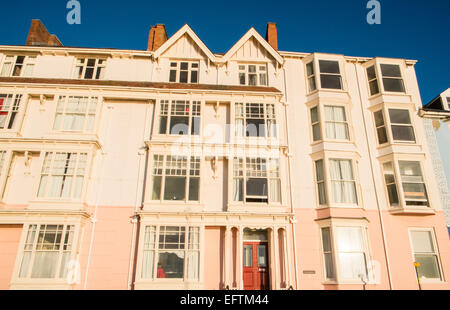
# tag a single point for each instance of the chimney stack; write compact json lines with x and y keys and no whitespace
{"x":39,"y":36}
{"x":157,"y":37}
{"x":271,"y":35}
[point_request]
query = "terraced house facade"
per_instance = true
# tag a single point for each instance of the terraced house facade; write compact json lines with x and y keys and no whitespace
{"x":180,"y":168}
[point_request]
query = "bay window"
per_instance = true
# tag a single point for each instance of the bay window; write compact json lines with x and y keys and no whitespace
{"x":330,"y":75}
{"x":184,"y":71}
{"x":255,"y":120}
{"x":411,"y":183}
{"x":392,"y":78}
{"x":425,"y":252}
{"x":256,"y":180}
{"x":75,"y":113}
{"x":62,"y":175}
{"x":89,"y":68}
{"x":253,"y":74}
{"x":373,"y":81}
{"x":176,"y":178}
{"x":180,"y":117}
{"x":9,"y":109}
{"x":47,"y":251}
{"x":18,"y":66}
{"x":346,"y":248}
{"x":171,"y":252}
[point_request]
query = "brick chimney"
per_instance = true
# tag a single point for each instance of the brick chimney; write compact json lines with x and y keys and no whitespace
{"x":157,"y":37}
{"x":39,"y":36}
{"x":271,"y":35}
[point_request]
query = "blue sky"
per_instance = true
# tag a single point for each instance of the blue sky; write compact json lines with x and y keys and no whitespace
{"x":413,"y":29}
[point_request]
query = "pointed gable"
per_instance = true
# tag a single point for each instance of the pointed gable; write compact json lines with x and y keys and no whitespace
{"x":252,"y":46}
{"x":185,"y":44}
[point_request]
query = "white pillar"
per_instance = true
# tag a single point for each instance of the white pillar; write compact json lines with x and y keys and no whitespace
{"x":276,"y":257}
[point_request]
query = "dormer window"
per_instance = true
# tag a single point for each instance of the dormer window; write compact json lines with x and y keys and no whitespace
{"x":18,"y":66}
{"x":184,"y":72}
{"x":89,"y":69}
{"x":253,"y":75}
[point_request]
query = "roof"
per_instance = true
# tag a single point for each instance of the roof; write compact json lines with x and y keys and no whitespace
{"x":157,"y":85}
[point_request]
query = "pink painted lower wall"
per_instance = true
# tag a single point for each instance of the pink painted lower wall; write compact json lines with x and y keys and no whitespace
{"x":110,"y":254}
{"x":9,"y":245}
{"x":402,"y":273}
{"x":213,"y":258}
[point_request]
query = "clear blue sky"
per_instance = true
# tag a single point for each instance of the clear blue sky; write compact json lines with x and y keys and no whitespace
{"x":413,"y":29}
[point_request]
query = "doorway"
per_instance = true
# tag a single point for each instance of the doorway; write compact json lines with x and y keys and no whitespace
{"x":256,"y":260}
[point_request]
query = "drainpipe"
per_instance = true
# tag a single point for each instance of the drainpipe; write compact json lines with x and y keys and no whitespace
{"x":290,"y":182}
{"x":380,"y":214}
{"x":137,"y":206}
{"x":94,"y":217}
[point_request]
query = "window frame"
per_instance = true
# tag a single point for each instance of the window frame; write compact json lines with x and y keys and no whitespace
{"x":323,"y":122}
{"x":87,"y":113}
{"x":240,"y":171}
{"x":76,"y":74}
{"x":29,"y":60}
{"x":258,"y":73}
{"x":188,"y":249}
{"x":376,"y":79}
{"x":269,"y":112}
{"x":436,"y":252}
{"x":56,"y":280}
{"x":388,"y":125}
{"x":190,"y":173}
{"x":189,"y":71}
{"x":165,"y":109}
{"x":392,"y":77}
{"x":315,"y":60}
{"x":399,"y":183}
{"x":18,"y":101}
{"x":333,"y":224}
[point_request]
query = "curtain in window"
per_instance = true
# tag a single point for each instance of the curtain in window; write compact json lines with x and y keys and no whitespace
{"x":147,"y":265}
{"x":44,"y":265}
{"x":237,"y":190}
{"x":342,"y":185}
{"x":274,"y":190}
{"x":192,"y":268}
{"x":336,"y":126}
{"x":351,"y":252}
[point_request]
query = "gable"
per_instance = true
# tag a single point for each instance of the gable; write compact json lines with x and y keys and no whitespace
{"x":251,"y":49}
{"x":184,"y":47}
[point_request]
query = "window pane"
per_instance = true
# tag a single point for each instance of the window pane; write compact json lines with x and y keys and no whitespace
{"x":171,"y":265}
{"x":403,"y":133}
{"x":349,"y":239}
{"x":352,"y":265}
{"x":410,"y":171}
{"x":194,"y":76}
{"x":156,"y":191}
{"x":89,"y":73}
{"x":330,"y":81}
{"x":193,"y":188}
{"x":394,"y":85}
{"x":326,"y":239}
{"x":242,"y":78}
{"x":175,"y":188}
{"x":248,"y":256}
{"x":382,"y":135}
{"x":173,"y":76}
{"x":179,"y":125}
{"x":184,"y":66}
{"x":373,"y":85}
{"x":390,"y":70}
{"x":162,"y":124}
{"x":428,"y":266}
{"x":183,"y":76}
{"x":422,"y":242}
{"x":309,"y":69}
{"x":314,"y":115}
{"x":371,"y":73}
{"x":262,"y":256}
{"x":329,"y":66}
{"x":257,"y":186}
{"x":255,"y":127}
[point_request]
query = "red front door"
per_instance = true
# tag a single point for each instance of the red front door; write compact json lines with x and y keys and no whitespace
{"x":256,"y":266}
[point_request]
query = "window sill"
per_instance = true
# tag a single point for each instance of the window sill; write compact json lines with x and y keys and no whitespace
{"x":411,"y":210}
{"x":167,"y":284}
{"x":40,"y":284}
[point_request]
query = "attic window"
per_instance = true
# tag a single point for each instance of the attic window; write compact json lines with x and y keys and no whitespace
{"x":184,"y":72}
{"x":253,"y":75}
{"x":89,"y":69}
{"x":18,"y":66}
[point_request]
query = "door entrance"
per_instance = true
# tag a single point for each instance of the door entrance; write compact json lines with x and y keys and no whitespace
{"x":256,"y":265}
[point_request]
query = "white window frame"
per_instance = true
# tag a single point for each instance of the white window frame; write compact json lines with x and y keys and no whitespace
{"x":402,"y":125}
{"x":193,"y":66}
{"x":322,"y":123}
{"x":392,"y":77}
{"x":242,"y":112}
{"x":259,"y":73}
{"x":16,"y":102}
{"x":88,"y":112}
{"x":27,"y":67}
{"x":241,"y":172}
{"x":188,"y":167}
{"x":82,"y":63}
{"x":435,"y":253}
{"x":154,"y":248}
{"x":373,"y":79}
{"x":383,"y":126}
{"x":311,"y":78}
{"x":333,"y":224}
{"x":167,"y":109}
{"x":30,"y":245}
{"x":80,"y":170}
